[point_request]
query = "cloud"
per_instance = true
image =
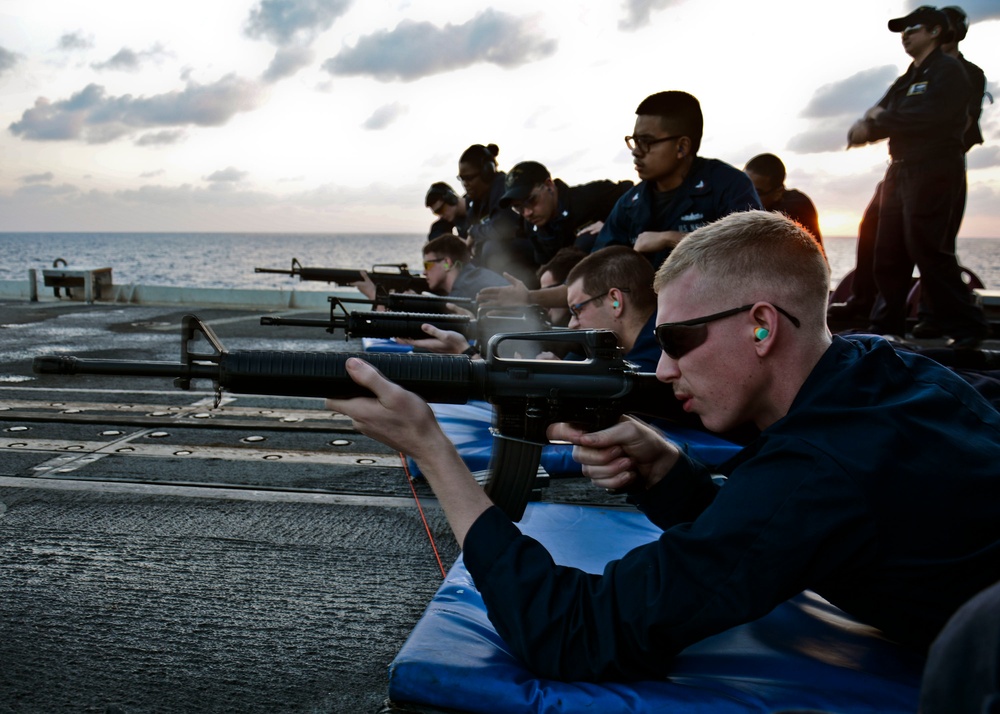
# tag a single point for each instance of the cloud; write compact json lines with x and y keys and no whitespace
{"x":7,"y":60}
{"x":152,"y":174}
{"x":637,"y":12}
{"x":292,"y":25}
{"x":827,"y":136}
{"x":977,"y":10}
{"x":851,"y":96}
{"x":38,"y":178}
{"x":419,"y":49}
{"x":285,"y":22}
{"x":45,"y":190}
{"x":161,"y":138}
{"x":75,"y":41}
{"x":984,"y":157}
{"x":92,"y":116}
{"x":227,"y":175}
{"x":836,"y":105}
{"x":128,"y":60}
{"x":216,"y":206}
{"x":287,"y":61}
{"x":984,"y":201}
{"x":384,"y":116}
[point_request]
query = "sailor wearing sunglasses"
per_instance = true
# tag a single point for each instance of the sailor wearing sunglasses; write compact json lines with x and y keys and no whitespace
{"x":873,"y":481}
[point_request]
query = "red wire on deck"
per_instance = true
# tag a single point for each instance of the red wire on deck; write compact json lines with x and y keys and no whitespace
{"x":427,"y":527}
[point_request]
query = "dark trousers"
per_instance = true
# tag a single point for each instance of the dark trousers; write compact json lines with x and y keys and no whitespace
{"x":915,"y":228}
{"x":863,"y":290}
{"x":925,"y":311}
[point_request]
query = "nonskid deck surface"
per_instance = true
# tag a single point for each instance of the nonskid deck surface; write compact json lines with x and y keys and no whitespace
{"x":162,"y":554}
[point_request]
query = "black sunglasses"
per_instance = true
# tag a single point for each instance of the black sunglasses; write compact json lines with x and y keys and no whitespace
{"x":679,"y":338}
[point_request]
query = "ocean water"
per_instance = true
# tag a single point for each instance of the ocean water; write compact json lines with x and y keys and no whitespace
{"x":227,"y":260}
{"x":206,"y":260}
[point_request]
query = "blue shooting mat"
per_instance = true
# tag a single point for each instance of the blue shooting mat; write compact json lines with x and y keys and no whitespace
{"x":468,"y":428}
{"x":383,"y":344}
{"x":805,"y":654}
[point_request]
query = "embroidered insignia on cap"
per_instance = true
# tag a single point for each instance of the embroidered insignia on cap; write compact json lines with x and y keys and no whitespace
{"x":918,"y":88}
{"x":700,"y":184}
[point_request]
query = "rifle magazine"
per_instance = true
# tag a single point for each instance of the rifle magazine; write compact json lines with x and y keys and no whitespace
{"x":513,"y":470}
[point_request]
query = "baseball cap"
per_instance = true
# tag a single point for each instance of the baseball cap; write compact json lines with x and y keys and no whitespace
{"x":925,"y":15}
{"x":521,"y":179}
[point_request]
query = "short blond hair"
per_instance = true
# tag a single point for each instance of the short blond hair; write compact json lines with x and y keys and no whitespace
{"x":755,"y":255}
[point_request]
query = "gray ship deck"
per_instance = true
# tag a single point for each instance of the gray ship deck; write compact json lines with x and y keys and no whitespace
{"x":161,"y":556}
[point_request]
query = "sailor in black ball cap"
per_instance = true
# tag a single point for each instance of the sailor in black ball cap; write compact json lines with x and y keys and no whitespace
{"x":555,"y":215}
{"x":924,"y":117}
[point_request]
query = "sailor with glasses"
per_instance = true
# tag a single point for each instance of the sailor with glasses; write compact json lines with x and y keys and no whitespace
{"x":679,"y":190}
{"x":612,"y":289}
{"x":924,"y":115}
{"x":863,"y":290}
{"x":449,"y":210}
{"x":556,"y":215}
{"x":873,"y":481}
{"x":449,"y":270}
{"x":495,"y":232}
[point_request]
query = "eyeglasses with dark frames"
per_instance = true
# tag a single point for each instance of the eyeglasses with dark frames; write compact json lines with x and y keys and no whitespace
{"x":429,"y":262}
{"x":678,"y":338}
{"x":577,"y":308}
{"x":519,"y":207}
{"x":468,"y":178}
{"x":645,"y":143}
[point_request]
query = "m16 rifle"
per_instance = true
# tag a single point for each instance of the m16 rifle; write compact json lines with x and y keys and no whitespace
{"x":527,"y":395}
{"x":488,"y":322}
{"x":389,"y":277}
{"x":410,"y":302}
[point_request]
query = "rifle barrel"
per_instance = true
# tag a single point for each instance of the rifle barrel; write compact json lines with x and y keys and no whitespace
{"x":66,"y":364}
{"x":381,"y":324}
{"x":407,"y":302}
{"x":297,"y":322}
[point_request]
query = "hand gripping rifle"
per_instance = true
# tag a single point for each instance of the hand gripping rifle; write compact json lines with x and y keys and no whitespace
{"x":527,"y":395}
{"x":388,"y":278}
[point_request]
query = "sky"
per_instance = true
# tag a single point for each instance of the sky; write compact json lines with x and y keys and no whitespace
{"x":336,"y":115}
